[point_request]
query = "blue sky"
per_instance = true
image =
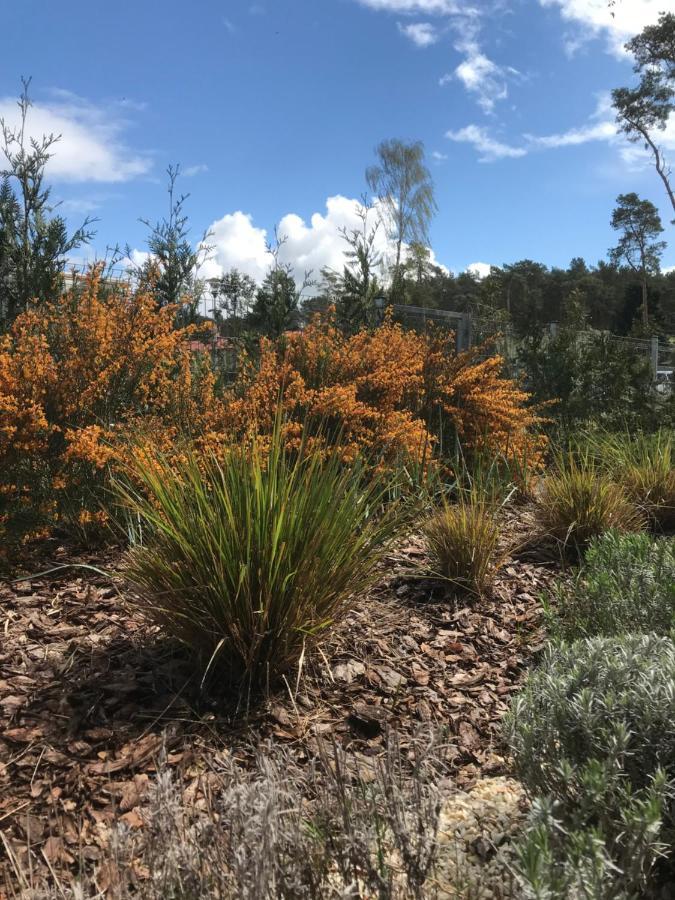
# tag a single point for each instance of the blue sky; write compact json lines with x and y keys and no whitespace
{"x":273,"y":110}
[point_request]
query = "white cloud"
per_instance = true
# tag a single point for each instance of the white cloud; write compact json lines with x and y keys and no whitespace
{"x":79,"y":205}
{"x":191,"y":171}
{"x":137,"y":259}
{"x":90,"y":148}
{"x":238,"y":243}
{"x":598,"y":131}
{"x":489,"y":149}
{"x":438,"y":156}
{"x":482,"y":77}
{"x":618,"y":22}
{"x":479,"y":74}
{"x":422,"y":34}
{"x":479,"y":269}
{"x":425,"y":7}
{"x":636,"y":156}
{"x":602,"y":126}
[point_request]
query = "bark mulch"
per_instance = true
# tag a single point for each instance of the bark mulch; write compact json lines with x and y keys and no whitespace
{"x":91,"y":696}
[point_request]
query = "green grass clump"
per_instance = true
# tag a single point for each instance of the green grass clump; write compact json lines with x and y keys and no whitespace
{"x":593,"y":738}
{"x":462,"y":539}
{"x":249,"y":560}
{"x":626,"y":584}
{"x":579,"y":501}
{"x":644,"y":464}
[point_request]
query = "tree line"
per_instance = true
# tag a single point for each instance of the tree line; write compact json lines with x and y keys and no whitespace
{"x":627,"y":294}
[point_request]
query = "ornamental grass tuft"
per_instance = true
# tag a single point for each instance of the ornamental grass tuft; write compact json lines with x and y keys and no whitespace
{"x":579,"y":501}
{"x":462,"y":539}
{"x":250,"y":559}
{"x":644,"y":465}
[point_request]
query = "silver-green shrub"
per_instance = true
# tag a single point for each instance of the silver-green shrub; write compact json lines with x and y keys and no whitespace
{"x":593,"y":736}
{"x":627,"y":584}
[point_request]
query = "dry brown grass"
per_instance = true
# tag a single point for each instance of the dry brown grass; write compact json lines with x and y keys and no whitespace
{"x":462,"y":540}
{"x":579,"y":501}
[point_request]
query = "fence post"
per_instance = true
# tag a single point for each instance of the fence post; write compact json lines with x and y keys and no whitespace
{"x":380,"y":306}
{"x":468,"y":334}
{"x":655,"y":355}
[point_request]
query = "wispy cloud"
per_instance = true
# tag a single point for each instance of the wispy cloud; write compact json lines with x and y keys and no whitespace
{"x":91,"y":147}
{"x":599,"y":127}
{"x":438,"y":156}
{"x":489,"y":148}
{"x":81,"y":206}
{"x":424,"y":7}
{"x":482,"y":77}
{"x":422,"y":34}
{"x":598,"y":131}
{"x":191,"y":171}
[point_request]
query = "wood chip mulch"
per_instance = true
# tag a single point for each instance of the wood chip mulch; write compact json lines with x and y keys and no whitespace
{"x":90,"y":696}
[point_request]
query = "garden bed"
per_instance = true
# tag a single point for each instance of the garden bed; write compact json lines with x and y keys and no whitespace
{"x":91,"y":697}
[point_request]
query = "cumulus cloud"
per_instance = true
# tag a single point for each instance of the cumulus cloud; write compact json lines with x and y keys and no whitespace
{"x":91,"y":146}
{"x":489,"y":148}
{"x":619,"y":22}
{"x":422,"y":34}
{"x":307,"y":246}
{"x":237,"y":243}
{"x":479,"y":269}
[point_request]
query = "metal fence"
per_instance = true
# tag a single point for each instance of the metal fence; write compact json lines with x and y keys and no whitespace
{"x":471,"y":330}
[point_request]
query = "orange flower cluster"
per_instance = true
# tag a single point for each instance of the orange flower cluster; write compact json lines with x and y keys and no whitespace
{"x":382,"y":393}
{"x":75,"y":378}
{"x":103,"y":374}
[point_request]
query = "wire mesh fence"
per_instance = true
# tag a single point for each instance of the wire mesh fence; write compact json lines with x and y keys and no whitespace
{"x":496,"y":335}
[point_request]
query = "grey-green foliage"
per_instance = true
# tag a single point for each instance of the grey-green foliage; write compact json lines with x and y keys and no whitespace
{"x":257,"y":835}
{"x":626,"y":584}
{"x":593,"y":732}
{"x":556,"y":861}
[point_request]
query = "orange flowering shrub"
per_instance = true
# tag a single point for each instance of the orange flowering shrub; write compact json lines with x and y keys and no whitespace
{"x":382,"y":393}
{"x":101,"y":375}
{"x":75,"y":377}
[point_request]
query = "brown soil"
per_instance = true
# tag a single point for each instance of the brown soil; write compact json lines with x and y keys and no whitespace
{"x":90,"y":695}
